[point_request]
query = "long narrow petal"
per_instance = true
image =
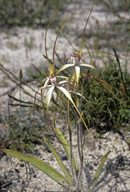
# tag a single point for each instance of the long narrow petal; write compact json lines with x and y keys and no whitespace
{"x":44,"y":87}
{"x":44,"y":79}
{"x":49,"y":95}
{"x":46,"y":82}
{"x":77,"y":72}
{"x":62,"y":82}
{"x":62,"y":77}
{"x":86,"y":65}
{"x":66,"y":93}
{"x":79,"y":94}
{"x":64,"y":67}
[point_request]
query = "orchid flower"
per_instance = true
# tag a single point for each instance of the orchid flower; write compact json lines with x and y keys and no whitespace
{"x":75,"y":62}
{"x":75,"y":58}
{"x":52,"y":84}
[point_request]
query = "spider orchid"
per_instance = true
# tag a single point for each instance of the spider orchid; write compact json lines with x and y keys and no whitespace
{"x":52,"y":84}
{"x":75,"y":58}
{"x":75,"y":62}
{"x":51,"y":81}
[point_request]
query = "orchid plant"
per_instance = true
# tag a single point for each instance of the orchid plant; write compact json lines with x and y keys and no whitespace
{"x":70,"y":180}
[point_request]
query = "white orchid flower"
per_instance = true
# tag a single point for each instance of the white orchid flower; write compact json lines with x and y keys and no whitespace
{"x":75,"y":59}
{"x":51,"y":84}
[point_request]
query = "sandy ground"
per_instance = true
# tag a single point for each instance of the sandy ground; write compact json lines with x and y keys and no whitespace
{"x":21,"y":48}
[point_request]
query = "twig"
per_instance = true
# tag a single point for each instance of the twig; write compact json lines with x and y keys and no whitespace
{"x":118,"y":61}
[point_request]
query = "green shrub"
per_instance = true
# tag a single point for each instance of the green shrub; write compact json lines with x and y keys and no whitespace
{"x":27,"y":12}
{"x":108,"y":112}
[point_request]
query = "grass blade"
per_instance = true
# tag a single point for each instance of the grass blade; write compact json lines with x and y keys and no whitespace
{"x":97,"y":174}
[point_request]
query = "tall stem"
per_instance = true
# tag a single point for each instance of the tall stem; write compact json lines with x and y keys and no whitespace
{"x":80,"y":149}
{"x":70,"y":142}
{"x":80,"y":152}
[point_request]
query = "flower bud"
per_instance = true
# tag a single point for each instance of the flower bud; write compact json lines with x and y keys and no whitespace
{"x":75,"y":59}
{"x":53,"y":80}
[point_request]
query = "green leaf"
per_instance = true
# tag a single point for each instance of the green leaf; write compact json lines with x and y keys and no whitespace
{"x":66,"y":148}
{"x":98,"y":172}
{"x":58,"y":159}
{"x":42,"y":166}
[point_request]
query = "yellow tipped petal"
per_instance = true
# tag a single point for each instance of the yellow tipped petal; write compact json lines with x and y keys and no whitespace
{"x":77,"y":72}
{"x":66,"y":93}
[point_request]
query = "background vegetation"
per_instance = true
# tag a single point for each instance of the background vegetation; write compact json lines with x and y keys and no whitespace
{"x":28,"y":12}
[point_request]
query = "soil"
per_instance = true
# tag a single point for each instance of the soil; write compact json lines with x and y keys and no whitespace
{"x":23,"y":47}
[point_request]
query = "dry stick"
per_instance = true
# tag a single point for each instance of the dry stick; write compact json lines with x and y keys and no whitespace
{"x":18,"y":100}
{"x":46,"y":39}
{"x":85,"y":27}
{"x":118,"y":61}
{"x":9,"y":91}
{"x":103,"y":52}
{"x":57,"y":38}
{"x":47,"y":59}
{"x":14,"y":79}
{"x":89,"y":52}
{"x":37,"y":69}
{"x":55,"y":65}
{"x":20,"y":105}
{"x":60,"y":60}
{"x":7,"y":72}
